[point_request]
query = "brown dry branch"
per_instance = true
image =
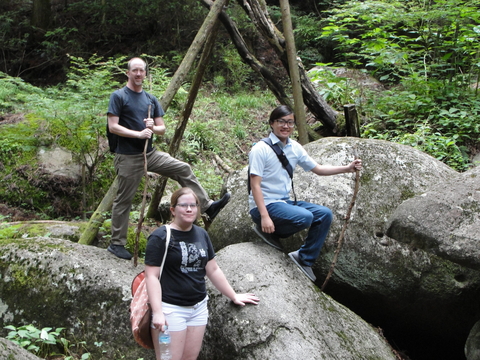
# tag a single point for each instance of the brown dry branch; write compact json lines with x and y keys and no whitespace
{"x":222,"y":164}
{"x":345,"y":224}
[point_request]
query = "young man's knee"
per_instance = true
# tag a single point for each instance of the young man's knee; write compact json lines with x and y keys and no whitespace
{"x":304,"y":221}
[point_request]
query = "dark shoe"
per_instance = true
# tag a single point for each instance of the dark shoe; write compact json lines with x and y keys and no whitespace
{"x":307,"y":270}
{"x":216,"y":206}
{"x":270,"y":239}
{"x":120,"y":251}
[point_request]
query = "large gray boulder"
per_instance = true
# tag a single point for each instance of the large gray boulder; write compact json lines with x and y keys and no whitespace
{"x":392,"y":173}
{"x":294,"y":320}
{"x":445,"y":220}
{"x":418,"y":294}
{"x":57,"y":283}
{"x":472,"y":346}
{"x":11,"y":351}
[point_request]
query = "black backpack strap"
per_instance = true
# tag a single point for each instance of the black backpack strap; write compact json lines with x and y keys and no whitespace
{"x":281,"y":156}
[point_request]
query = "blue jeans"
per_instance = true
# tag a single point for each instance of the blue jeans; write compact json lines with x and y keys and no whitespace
{"x":290,"y":219}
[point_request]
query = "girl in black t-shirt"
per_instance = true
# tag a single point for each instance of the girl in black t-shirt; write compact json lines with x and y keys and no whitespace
{"x":179,"y":299}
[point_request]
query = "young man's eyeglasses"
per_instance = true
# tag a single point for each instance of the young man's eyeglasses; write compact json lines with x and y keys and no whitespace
{"x":184,"y":206}
{"x":282,"y":122}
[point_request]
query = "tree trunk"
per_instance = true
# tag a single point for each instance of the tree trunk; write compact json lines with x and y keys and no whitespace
{"x":41,"y":14}
{"x":258,"y":13}
{"x":294,"y":73}
{"x":98,"y":216}
{"x":351,"y":120}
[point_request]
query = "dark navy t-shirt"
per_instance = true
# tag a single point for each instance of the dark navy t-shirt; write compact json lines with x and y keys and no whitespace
{"x":183,"y":276}
{"x":132,"y":107}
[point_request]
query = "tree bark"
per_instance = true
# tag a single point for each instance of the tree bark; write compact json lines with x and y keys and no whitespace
{"x":258,"y":13}
{"x":294,"y":73}
{"x":41,"y":14}
{"x":98,"y":216}
{"x":182,"y":123}
{"x":351,"y":120}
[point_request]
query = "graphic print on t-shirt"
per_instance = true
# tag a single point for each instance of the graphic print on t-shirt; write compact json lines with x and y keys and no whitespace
{"x":191,"y":257}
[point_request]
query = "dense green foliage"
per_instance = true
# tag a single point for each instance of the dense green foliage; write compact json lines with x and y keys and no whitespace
{"x":106,"y":28}
{"x":427,"y":54}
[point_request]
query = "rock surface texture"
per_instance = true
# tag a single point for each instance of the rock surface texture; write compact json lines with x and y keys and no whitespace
{"x":293,"y":319}
{"x":11,"y":351}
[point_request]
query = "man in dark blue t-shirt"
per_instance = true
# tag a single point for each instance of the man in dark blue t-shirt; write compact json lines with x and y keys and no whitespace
{"x":128,"y":118}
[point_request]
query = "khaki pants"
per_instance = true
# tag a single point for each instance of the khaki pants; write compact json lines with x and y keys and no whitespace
{"x":130,"y":170}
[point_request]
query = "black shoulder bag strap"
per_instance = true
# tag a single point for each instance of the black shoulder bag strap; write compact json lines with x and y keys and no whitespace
{"x":283,"y":160}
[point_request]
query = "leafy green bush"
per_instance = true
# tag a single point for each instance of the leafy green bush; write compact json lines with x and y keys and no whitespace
{"x":427,"y":53}
{"x":422,"y":116}
{"x":336,"y":90}
{"x":398,"y":38}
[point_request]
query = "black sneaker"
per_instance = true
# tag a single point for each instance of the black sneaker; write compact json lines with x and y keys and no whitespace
{"x":307,"y":270}
{"x":120,"y":251}
{"x":270,"y":239}
{"x":216,"y":206}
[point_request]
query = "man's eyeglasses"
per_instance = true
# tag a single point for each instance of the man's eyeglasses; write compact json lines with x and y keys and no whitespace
{"x":282,"y":122}
{"x":184,"y":206}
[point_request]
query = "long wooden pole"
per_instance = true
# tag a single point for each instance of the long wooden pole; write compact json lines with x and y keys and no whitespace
{"x":197,"y":44}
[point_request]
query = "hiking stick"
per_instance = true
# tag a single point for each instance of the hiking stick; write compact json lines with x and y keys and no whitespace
{"x":144,"y":200}
{"x":347,"y":219}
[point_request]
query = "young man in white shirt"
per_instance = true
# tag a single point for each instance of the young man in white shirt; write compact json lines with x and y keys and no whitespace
{"x":277,"y":216}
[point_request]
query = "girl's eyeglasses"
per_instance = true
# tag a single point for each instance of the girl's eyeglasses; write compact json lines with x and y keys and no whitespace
{"x":184,"y":206}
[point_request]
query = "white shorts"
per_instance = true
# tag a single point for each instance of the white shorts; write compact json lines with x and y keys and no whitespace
{"x":179,"y":317}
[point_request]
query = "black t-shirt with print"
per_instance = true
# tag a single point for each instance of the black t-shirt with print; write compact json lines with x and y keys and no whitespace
{"x":183,"y":276}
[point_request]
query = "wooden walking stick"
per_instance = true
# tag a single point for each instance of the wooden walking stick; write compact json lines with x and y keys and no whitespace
{"x":347,"y":219}
{"x":144,"y":200}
